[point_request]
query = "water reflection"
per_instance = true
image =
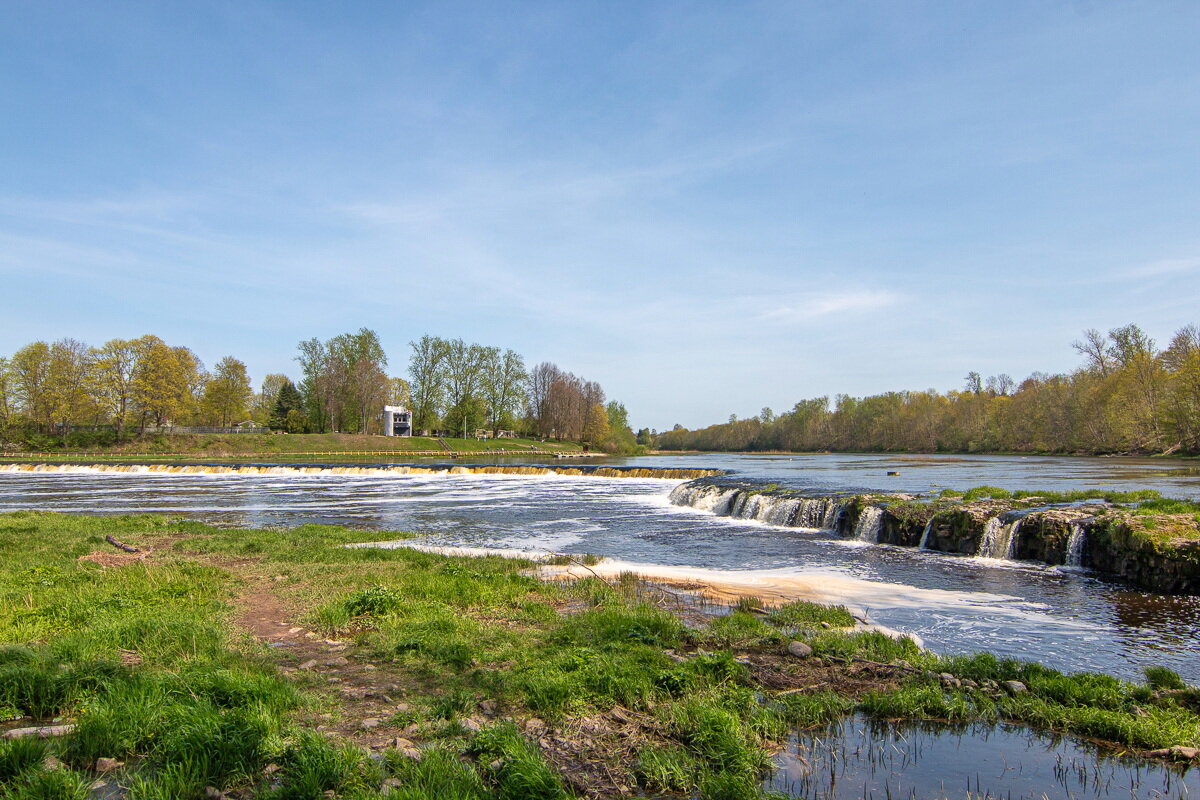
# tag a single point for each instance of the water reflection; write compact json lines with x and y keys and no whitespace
{"x":861,"y":758}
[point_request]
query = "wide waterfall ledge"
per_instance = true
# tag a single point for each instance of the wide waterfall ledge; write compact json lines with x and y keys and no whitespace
{"x":1157,"y":547}
{"x":373,"y":471}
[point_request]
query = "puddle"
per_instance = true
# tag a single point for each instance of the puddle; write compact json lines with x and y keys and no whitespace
{"x":860,"y":759}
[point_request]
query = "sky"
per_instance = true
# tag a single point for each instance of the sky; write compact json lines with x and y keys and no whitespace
{"x":707,"y":207}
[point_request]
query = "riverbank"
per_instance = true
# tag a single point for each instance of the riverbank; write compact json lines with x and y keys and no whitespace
{"x":268,"y":663}
{"x":297,"y":447}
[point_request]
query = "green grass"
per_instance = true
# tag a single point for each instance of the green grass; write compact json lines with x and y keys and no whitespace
{"x":146,"y":662}
{"x":1142,"y":496}
{"x":274,"y":446}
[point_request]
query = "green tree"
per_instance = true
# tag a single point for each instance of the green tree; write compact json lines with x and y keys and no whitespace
{"x":358,"y":361}
{"x":504,"y":381}
{"x":30,"y":367}
{"x":227,"y":392}
{"x":263,"y":402}
{"x":399,"y":393}
{"x":114,"y":367}
{"x":165,"y":381}
{"x":595,"y":426}
{"x":427,"y":379}
{"x":289,"y":407}
{"x":7,"y":400}
{"x":68,"y":374}
{"x":620,"y":436}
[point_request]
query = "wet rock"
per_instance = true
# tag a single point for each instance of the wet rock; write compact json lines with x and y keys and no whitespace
{"x":108,"y":764}
{"x":1014,"y":687}
{"x":340,"y":661}
{"x":213,"y":793}
{"x":967,"y":683}
{"x":948,"y":681}
{"x":1181,"y":752}
{"x":799,"y":649}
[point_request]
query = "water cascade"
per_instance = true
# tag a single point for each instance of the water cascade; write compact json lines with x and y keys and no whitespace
{"x":1075,"y":545}
{"x":373,"y":471}
{"x":924,"y":544}
{"x":987,"y":530}
{"x":813,"y":513}
{"x":870,"y":521}
{"x":999,"y":539}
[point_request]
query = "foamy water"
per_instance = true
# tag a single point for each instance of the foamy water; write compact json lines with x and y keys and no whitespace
{"x":1069,"y":620}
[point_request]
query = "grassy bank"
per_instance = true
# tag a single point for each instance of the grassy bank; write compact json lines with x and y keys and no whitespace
{"x":281,"y":664}
{"x":296,"y":447}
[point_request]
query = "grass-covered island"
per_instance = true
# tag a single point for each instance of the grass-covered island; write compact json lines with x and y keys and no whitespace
{"x":282,"y":664}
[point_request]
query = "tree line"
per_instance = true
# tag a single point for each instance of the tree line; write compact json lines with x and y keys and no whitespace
{"x":1128,"y":396}
{"x":453,"y":388}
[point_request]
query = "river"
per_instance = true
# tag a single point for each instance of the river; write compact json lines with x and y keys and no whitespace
{"x":1067,"y":619}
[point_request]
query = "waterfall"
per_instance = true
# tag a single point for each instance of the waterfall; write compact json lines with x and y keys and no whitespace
{"x":998,"y":540}
{"x":813,"y":513}
{"x":1075,"y":545}
{"x":870,"y":521}
{"x":987,"y":542}
{"x":834,"y":510}
{"x":713,"y":499}
{"x":924,"y":545}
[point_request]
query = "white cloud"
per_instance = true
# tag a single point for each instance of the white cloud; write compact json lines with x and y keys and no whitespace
{"x":1162,"y":268}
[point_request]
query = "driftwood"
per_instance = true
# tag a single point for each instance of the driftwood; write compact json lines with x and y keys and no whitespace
{"x":43,"y":732}
{"x":786,"y":692}
{"x":117,"y":543}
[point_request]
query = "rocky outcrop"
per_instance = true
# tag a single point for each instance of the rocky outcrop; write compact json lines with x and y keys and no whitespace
{"x":1161,"y":557}
{"x":1159,"y":552}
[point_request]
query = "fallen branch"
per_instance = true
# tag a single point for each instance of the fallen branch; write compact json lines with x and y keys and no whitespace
{"x":117,"y":543}
{"x":786,"y":692}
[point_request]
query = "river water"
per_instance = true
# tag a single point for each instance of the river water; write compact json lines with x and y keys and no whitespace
{"x":1067,"y":619}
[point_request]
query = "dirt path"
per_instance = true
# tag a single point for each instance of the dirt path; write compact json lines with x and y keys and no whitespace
{"x":362,"y":698}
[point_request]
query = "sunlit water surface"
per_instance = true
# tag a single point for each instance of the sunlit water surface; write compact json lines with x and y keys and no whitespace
{"x":1069,"y":620}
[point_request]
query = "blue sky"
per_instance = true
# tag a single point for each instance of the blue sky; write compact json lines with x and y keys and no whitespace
{"x":707,"y":207}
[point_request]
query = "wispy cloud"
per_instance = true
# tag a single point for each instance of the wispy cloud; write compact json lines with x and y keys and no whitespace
{"x":1162,"y":268}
